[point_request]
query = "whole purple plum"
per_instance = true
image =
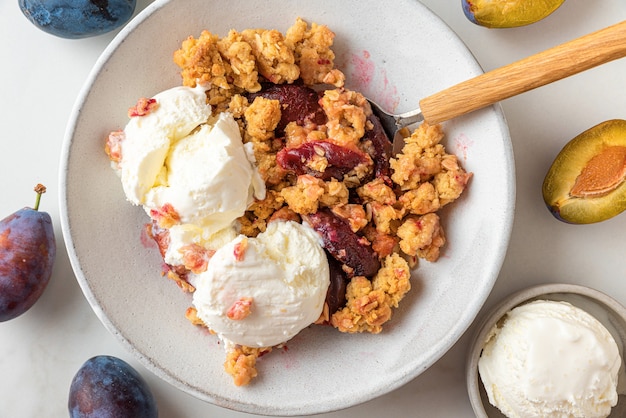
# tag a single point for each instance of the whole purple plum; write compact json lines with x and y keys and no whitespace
{"x":75,"y":19}
{"x":106,"y":386}
{"x":27,"y":252}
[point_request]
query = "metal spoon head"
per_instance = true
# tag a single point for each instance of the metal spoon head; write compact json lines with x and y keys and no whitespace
{"x":394,"y":124}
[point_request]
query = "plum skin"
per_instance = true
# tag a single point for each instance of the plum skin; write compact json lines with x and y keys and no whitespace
{"x":74,"y":19}
{"x":106,"y":386}
{"x":468,"y":11}
{"x":27,"y":253}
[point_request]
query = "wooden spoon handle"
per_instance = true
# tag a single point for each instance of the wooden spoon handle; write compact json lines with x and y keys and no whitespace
{"x":535,"y":71}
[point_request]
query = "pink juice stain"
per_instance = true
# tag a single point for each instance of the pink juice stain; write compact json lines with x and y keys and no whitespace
{"x":363,"y":69}
{"x":367,"y":77}
{"x":146,"y":240}
{"x":289,"y":361}
{"x":390,"y":100}
{"x":463,"y":143}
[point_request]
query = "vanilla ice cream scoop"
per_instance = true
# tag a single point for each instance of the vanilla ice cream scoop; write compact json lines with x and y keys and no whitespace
{"x":207,"y":177}
{"x":177,"y":154}
{"x":260,"y":292}
{"x":550,"y":359}
{"x":148,"y":138}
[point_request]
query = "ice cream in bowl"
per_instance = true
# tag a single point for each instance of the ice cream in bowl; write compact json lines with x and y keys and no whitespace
{"x":554,"y":350}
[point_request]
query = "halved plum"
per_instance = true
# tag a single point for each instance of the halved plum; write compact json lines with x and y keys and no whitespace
{"x":586,"y":182}
{"x":508,"y":14}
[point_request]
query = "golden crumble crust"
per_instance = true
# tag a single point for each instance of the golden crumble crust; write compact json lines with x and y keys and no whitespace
{"x":346,"y":111}
{"x":422,"y":236}
{"x":201,"y":62}
{"x":241,"y":363}
{"x":313,"y":53}
{"x":262,"y":117}
{"x":429,"y":177}
{"x":275,"y":58}
{"x":310,"y":193}
{"x":239,"y":54}
{"x":296,"y":134}
{"x":369,"y":303}
{"x":377,"y":191}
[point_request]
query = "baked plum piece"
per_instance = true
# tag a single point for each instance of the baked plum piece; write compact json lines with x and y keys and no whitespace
{"x":354,"y":251}
{"x":299,"y":104}
{"x":339,"y":160}
{"x":336,"y":294}
{"x":381,"y":149}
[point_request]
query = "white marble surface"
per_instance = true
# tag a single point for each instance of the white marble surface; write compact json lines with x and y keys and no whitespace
{"x":41,"y":76}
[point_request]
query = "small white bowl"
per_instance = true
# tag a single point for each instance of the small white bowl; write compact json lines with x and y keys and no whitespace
{"x":604,"y":308}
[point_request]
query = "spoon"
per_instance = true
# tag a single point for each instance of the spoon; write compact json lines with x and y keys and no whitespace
{"x":486,"y":89}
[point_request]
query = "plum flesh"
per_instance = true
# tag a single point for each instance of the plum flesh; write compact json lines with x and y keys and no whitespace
{"x":343,"y":244}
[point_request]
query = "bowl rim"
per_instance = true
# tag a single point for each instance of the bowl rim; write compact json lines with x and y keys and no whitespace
{"x":520,"y":297}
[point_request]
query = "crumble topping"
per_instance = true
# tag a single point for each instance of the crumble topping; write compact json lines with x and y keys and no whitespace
{"x":319,"y":151}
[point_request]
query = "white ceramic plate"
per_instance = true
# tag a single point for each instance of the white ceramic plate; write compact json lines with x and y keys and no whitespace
{"x":395,"y":55}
